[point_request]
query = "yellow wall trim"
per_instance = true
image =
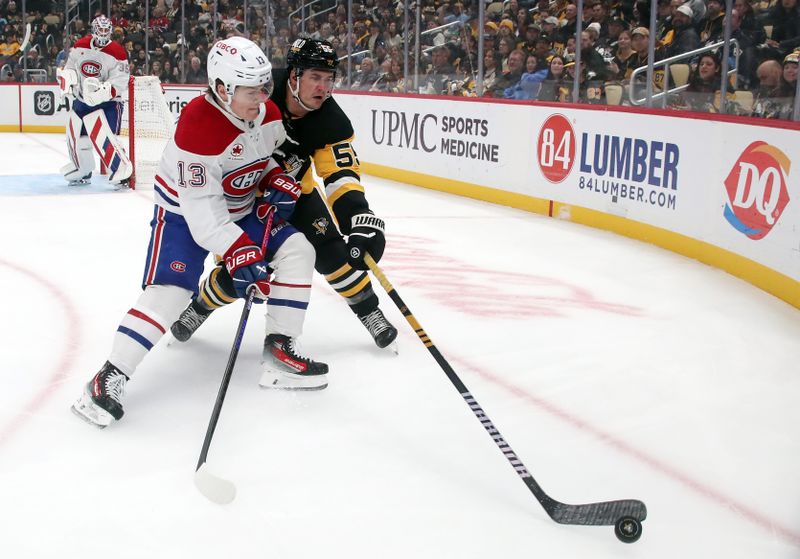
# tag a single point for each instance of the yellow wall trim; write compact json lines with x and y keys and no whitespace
{"x":761,"y":276}
{"x":42,"y":129}
{"x":9,"y":127}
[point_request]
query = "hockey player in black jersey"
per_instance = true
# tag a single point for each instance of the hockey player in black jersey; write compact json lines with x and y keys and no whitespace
{"x":319,"y":137}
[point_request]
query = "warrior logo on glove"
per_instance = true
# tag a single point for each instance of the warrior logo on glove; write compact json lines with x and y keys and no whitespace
{"x":366,"y":235}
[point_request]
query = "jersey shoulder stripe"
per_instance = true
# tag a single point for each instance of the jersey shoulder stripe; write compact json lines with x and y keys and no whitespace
{"x":272,"y":114}
{"x":83,"y":43}
{"x":116,"y":50}
{"x":203,"y":129}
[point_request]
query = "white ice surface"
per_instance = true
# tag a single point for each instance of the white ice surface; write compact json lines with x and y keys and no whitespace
{"x":613,"y":368}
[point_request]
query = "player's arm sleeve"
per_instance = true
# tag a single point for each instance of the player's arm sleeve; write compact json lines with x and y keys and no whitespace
{"x":118,"y":78}
{"x":338,"y":166}
{"x":198,"y":179}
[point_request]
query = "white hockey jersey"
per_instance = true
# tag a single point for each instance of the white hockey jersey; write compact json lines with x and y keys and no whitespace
{"x":211,"y":168}
{"x":108,"y":64}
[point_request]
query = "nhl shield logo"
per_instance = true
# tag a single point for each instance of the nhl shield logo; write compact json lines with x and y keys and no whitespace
{"x":321,"y":225}
{"x":44,"y":103}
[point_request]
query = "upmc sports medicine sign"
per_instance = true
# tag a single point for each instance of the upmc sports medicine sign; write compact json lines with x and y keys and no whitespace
{"x":757,"y":190}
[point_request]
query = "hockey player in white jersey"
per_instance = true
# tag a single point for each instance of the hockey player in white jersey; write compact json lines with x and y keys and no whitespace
{"x":206,"y":201}
{"x":94,"y":79}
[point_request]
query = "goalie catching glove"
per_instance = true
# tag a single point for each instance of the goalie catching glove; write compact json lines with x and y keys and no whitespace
{"x":246,"y":265}
{"x":366,"y":236}
{"x":96,"y":92}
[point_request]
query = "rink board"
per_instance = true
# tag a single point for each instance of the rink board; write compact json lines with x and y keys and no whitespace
{"x":722,"y":191}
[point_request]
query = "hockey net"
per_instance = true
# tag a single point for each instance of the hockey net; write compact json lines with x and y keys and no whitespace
{"x":148,"y":124}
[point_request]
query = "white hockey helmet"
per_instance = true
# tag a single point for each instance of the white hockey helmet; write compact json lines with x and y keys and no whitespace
{"x":101,"y":30}
{"x":238,"y":61}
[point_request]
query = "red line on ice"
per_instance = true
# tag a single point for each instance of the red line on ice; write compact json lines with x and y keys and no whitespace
{"x":65,"y":360}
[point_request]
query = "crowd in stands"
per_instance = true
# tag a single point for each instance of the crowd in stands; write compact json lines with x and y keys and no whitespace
{"x":529,"y":46}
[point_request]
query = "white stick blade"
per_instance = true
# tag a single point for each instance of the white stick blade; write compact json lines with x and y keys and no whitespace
{"x":215,"y":489}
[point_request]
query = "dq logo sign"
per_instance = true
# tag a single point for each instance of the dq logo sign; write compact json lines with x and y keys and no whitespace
{"x":556,"y":148}
{"x":757,"y":192}
{"x":90,"y":69}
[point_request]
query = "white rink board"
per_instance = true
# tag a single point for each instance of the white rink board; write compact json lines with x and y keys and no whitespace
{"x":668,"y":172}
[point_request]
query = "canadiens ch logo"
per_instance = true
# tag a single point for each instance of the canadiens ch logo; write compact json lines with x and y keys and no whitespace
{"x":237,"y":150}
{"x":178,"y":266}
{"x":90,"y":69}
{"x":321,"y":225}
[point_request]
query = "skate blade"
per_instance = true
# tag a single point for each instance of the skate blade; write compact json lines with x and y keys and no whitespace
{"x":214,"y":488}
{"x":91,"y":413}
{"x":393,"y":348}
{"x":281,"y":380}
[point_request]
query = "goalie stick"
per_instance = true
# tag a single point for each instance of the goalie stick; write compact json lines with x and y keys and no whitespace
{"x":215,"y":488}
{"x":625,"y":515}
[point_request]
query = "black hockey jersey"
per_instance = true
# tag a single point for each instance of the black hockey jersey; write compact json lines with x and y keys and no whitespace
{"x":322,"y":141}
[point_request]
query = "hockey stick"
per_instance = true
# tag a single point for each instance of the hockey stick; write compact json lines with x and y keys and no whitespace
{"x":23,"y":48}
{"x":215,"y":488}
{"x":625,"y":515}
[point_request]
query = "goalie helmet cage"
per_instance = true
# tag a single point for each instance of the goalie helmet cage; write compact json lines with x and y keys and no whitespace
{"x":148,"y":124}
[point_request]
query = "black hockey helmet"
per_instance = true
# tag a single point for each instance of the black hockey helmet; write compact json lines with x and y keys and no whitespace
{"x":310,"y":53}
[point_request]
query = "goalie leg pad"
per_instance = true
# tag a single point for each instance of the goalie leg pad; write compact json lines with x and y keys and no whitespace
{"x":107,"y":144}
{"x":80,"y":151}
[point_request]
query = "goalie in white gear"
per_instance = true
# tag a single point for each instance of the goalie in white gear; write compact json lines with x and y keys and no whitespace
{"x":94,"y":78}
{"x":218,"y":160}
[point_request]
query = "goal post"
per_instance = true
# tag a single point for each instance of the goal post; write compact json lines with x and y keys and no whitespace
{"x":148,"y":124}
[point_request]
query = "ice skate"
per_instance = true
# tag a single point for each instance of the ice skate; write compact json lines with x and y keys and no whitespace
{"x":285,"y":369}
{"x":83,"y":181}
{"x":380,"y":329}
{"x":190,"y":320}
{"x":101,"y":401}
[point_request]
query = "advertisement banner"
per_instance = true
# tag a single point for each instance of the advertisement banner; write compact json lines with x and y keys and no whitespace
{"x":727,"y":184}
{"x":9,"y":107}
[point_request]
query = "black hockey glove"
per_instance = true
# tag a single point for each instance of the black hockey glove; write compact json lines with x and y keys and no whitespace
{"x":366,"y":235}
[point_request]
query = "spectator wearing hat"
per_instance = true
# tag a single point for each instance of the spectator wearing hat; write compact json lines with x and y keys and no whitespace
{"x":789,"y":75}
{"x":542,"y":51}
{"x":698,"y":8}
{"x":685,"y":38}
{"x":532,"y":34}
{"x":712,"y":26}
{"x":551,"y":28}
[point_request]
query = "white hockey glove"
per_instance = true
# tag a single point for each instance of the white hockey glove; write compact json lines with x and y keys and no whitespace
{"x":67,"y":80}
{"x":96,"y":92}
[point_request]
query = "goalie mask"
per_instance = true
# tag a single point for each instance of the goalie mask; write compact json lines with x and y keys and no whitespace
{"x":238,"y":61}
{"x":101,"y":31}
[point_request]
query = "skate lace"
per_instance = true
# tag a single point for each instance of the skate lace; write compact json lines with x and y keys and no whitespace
{"x":375,"y":322}
{"x":192,"y":319}
{"x":290,"y":347}
{"x":114,"y":385}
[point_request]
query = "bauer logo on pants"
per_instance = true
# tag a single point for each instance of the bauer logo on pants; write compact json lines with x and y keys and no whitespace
{"x":44,"y":103}
{"x":757,"y":191}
